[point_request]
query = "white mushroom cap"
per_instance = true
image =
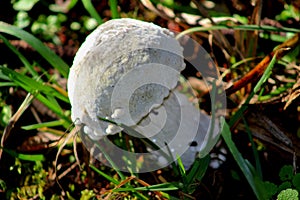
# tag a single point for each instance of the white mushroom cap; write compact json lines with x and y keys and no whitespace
{"x":127,"y":71}
{"x":118,"y":48}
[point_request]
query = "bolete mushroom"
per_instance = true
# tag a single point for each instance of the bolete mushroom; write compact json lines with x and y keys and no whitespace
{"x":126,"y":72}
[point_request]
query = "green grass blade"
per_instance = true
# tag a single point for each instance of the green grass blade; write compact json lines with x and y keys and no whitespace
{"x":30,"y":84}
{"x":114,"y":166}
{"x":157,"y":187}
{"x":7,"y":84}
{"x":72,"y":4}
{"x":116,"y":182}
{"x":182,"y":174}
{"x":50,"y":105}
{"x":114,"y":8}
{"x":210,"y":140}
{"x":53,"y":100}
{"x":239,"y":114}
{"x":45,"y":124}
{"x":254,"y":150}
{"x":243,"y":165}
{"x":108,"y":177}
{"x":238,"y":27}
{"x":2,"y":75}
{"x":27,"y":157}
{"x":266,"y":74}
{"x":279,"y":90}
{"x":92,"y":11}
{"x":196,"y":173}
{"x":49,"y":55}
{"x":130,"y":131}
{"x":26,"y":63}
{"x":198,"y":169}
{"x":181,"y":168}
{"x":261,"y":81}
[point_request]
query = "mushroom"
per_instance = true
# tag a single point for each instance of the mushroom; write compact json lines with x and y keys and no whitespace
{"x":126,"y":72}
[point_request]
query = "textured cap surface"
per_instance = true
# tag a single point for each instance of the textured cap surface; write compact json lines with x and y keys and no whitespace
{"x":109,"y":69}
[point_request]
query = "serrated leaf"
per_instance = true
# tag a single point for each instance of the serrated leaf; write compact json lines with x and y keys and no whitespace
{"x":286,"y":173}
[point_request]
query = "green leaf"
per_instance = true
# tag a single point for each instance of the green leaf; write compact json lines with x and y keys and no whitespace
{"x":245,"y":166}
{"x":288,"y":194}
{"x":3,"y":186}
{"x":22,"y":19}
{"x":198,"y":169}
{"x":63,"y":8}
{"x":91,"y":10}
{"x":235,"y":175}
{"x":5,"y":115}
{"x":183,"y":175}
{"x":254,"y":149}
{"x":271,"y":189}
{"x":284,"y":185}
{"x":286,"y":173}
{"x":296,"y":181}
{"x":30,"y":84}
{"x":26,"y":63}
{"x":290,"y":12}
{"x":27,"y":157}
{"x":261,"y":81}
{"x":87,"y":194}
{"x":49,"y":55}
{"x":114,"y":8}
{"x":51,"y":106}
{"x":181,"y":167}
{"x":266,"y":74}
{"x":24,"y":5}
{"x":35,"y":88}
{"x":108,"y":177}
{"x":157,"y":187}
{"x":292,"y":56}
{"x":90,"y":23}
{"x":45,"y":124}
{"x":237,"y":27}
{"x":7,"y":84}
{"x":197,"y":172}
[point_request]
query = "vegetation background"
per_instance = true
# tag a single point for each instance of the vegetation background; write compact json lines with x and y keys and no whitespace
{"x":255,"y":45}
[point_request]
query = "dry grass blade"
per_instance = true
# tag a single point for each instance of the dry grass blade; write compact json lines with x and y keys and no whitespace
{"x":219,"y":36}
{"x":252,"y":36}
{"x":265,"y":129}
{"x":65,"y":141}
{"x":29,"y":98}
{"x":295,"y":93}
{"x":75,"y":151}
{"x":127,"y":180}
{"x":259,"y":69}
